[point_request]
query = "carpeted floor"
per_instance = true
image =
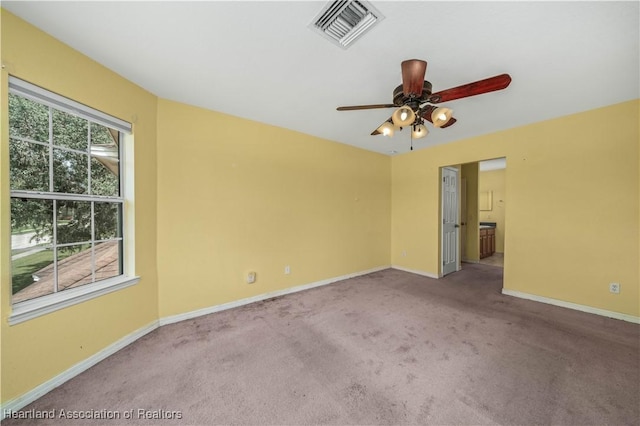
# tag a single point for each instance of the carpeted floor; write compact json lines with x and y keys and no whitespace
{"x":386,"y":348}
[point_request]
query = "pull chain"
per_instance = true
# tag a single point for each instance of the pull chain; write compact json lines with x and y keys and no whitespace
{"x":411,"y":135}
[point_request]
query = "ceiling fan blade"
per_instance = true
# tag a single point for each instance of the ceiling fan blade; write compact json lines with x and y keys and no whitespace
{"x":413,"y":71}
{"x":491,"y":84}
{"x":358,"y":107}
{"x":451,"y":122}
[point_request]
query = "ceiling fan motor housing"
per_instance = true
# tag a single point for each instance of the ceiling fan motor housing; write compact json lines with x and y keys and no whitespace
{"x":400,"y":99}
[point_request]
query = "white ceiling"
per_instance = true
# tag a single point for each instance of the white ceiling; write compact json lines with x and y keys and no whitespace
{"x":259,"y":60}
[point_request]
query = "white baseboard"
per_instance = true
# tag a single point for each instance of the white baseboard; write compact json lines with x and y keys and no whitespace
{"x":35,"y":393}
{"x":575,"y":306}
{"x":415,"y":271}
{"x":237,"y":303}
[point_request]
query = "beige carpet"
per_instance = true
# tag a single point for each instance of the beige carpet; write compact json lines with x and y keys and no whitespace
{"x":387,"y":348}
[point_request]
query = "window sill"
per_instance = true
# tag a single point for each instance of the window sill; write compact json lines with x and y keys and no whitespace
{"x":34,"y":308}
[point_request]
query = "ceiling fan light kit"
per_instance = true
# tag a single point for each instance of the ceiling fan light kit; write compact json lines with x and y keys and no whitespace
{"x":414,"y":100}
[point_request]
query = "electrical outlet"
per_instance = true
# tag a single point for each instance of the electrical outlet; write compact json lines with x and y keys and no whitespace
{"x":287,"y":270}
{"x":614,"y":288}
{"x":251,"y":277}
{"x":404,"y":253}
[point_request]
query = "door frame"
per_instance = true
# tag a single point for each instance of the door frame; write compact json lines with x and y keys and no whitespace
{"x":462,"y":218}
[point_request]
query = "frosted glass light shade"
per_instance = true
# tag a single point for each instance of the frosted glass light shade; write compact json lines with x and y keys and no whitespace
{"x":387,"y":129}
{"x":441,"y":116}
{"x":403,"y":116}
{"x":419,"y":131}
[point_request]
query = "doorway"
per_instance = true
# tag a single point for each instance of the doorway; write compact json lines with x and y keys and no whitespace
{"x":461,"y":228}
{"x":491,"y":210}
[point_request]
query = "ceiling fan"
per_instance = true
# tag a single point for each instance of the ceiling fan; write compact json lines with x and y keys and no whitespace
{"x":414,"y":100}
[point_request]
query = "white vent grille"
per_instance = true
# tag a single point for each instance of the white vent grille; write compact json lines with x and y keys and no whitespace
{"x":344,"y":21}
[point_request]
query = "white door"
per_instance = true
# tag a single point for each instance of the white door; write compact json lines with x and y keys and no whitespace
{"x":449,"y":220}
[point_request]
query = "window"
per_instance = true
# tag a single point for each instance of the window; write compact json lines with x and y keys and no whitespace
{"x":68,"y":214}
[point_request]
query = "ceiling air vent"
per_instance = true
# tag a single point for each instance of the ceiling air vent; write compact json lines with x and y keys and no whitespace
{"x":344,"y":21}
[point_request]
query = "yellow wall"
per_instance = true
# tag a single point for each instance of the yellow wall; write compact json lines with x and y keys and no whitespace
{"x":493,"y":180}
{"x":573,"y":190}
{"x":237,"y":196}
{"x":39,"y":349}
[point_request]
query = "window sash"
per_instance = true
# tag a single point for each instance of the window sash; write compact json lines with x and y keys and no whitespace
{"x":86,"y":113}
{"x":54,"y":244}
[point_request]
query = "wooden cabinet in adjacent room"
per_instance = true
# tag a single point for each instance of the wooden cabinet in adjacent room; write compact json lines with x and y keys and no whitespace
{"x":487,"y":242}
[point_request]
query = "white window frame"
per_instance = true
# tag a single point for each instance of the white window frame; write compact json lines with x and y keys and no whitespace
{"x":33,"y":308}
